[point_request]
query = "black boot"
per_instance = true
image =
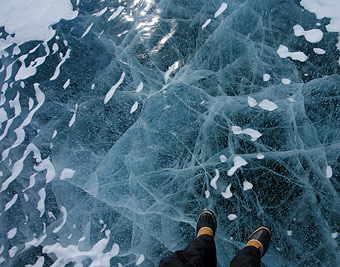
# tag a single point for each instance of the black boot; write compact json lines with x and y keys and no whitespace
{"x":260,"y":239}
{"x":206,"y":223}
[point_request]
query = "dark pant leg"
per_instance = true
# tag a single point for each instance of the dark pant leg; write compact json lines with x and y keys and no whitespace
{"x":247,"y":257}
{"x":200,"y":252}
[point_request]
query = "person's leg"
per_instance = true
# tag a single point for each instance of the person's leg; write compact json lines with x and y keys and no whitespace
{"x":202,"y":250}
{"x":248,"y":256}
{"x":257,"y":246}
{"x":199,"y":252}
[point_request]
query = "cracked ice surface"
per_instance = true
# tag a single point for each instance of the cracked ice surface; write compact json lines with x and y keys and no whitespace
{"x":120,"y":121}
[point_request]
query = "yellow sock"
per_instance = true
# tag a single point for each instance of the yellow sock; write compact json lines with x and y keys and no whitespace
{"x":205,"y":231}
{"x":255,"y":243}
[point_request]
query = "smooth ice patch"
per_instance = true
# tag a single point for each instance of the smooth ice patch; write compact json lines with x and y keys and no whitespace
{"x":238,"y":163}
{"x":312,"y":36}
{"x":284,"y":53}
{"x":267,"y":105}
{"x":222,"y":8}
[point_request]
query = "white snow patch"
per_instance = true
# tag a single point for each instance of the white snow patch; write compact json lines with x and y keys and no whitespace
{"x":67,"y":83}
{"x":13,"y":251}
{"x":319,"y":51}
{"x":206,"y":23}
{"x":11,"y":202}
{"x":134,"y":107}
{"x":47,"y":165}
{"x":57,"y":229}
{"x":284,"y":53}
{"x":260,"y":156}
{"x":39,"y":263}
{"x":36,"y":19}
{"x":267,"y":105}
{"x":329,"y":171}
{"x":41,"y":202}
{"x":73,"y":119}
{"x":139,"y":87}
{"x":113,"y":89}
{"x":11,"y":233}
{"x":232,"y":217}
{"x":101,"y":12}
{"x":325,"y":8}
{"x":254,"y":134}
{"x":57,"y":70}
{"x":223,"y":158}
{"x":286,"y":81}
{"x":171,"y":70}
{"x":87,"y":30}
{"x":289,"y":232}
{"x":266,"y":77}
{"x":222,"y":8}
{"x":251,"y":102}
{"x":140,"y":260}
{"x":227,"y":193}
{"x":67,"y":174}
{"x":207,"y":194}
{"x":238,"y":162}
{"x":73,"y":254}
{"x":247,"y":185}
{"x":214,"y":180}
{"x":335,"y":235}
{"x":312,"y":36}
{"x":116,"y":13}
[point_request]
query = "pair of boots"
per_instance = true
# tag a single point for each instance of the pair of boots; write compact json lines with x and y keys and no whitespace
{"x":260,"y":238}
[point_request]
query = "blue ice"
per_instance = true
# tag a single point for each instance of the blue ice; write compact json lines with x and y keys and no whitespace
{"x":122,"y":120}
